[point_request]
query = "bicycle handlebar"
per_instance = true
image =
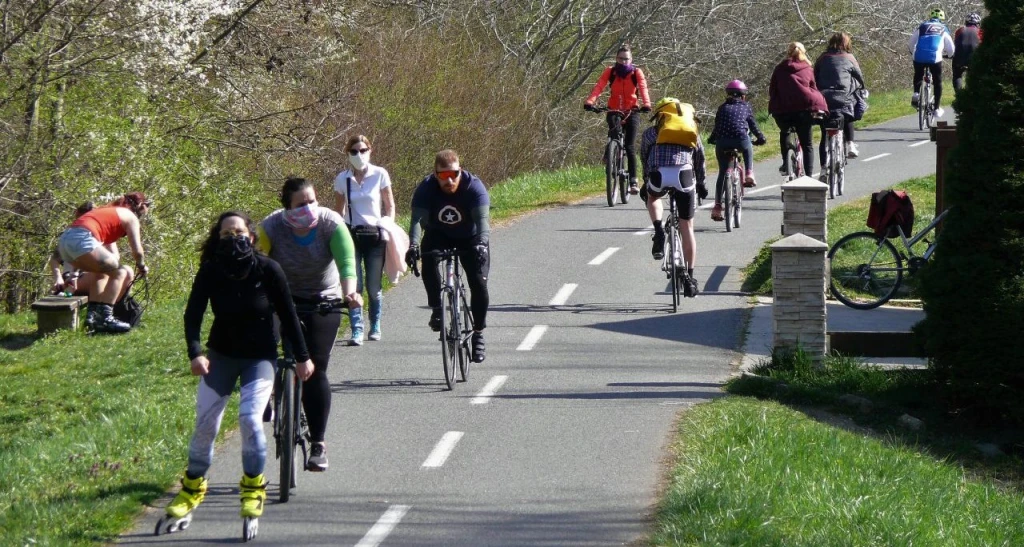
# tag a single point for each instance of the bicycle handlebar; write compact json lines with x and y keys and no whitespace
{"x":603,"y":109}
{"x":440,"y":254}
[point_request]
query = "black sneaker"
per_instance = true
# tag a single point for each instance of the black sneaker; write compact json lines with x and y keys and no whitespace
{"x":782,"y":169}
{"x":690,"y":289}
{"x":110,"y":325}
{"x":658,"y":249}
{"x":317,"y":458}
{"x":435,"y":320}
{"x":479,"y":347}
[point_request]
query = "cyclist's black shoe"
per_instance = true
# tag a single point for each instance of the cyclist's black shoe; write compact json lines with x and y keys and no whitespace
{"x":479,"y":347}
{"x":782,"y":169}
{"x":317,"y":457}
{"x":435,"y":320}
{"x":658,"y":249}
{"x":690,"y":289}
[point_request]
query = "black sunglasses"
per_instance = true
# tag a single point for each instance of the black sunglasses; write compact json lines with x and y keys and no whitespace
{"x":355,"y":151}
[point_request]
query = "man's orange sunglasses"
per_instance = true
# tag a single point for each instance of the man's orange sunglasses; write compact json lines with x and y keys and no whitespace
{"x":446,"y":174}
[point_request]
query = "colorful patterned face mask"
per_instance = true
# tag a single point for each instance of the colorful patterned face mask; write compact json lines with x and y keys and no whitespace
{"x":302,"y":218}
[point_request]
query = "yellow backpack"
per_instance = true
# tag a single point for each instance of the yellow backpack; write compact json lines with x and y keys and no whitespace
{"x":676,"y":124}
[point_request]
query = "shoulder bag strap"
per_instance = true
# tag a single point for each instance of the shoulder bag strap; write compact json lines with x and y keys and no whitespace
{"x":348,"y":192}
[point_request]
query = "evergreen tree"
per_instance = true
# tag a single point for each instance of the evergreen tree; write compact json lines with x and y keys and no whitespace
{"x":973,"y":291}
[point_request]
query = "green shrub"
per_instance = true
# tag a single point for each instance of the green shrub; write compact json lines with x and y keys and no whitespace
{"x":974,"y":290}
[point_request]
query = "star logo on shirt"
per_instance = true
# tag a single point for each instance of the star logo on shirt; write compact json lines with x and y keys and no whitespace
{"x":449,"y":215}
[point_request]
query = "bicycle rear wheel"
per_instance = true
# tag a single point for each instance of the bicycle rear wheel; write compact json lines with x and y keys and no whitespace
{"x":287,"y":416}
{"x":449,"y":336}
{"x":796,"y":168}
{"x":830,"y":166}
{"x":611,"y":170}
{"x":465,"y":353}
{"x":841,"y":176}
{"x":737,"y":202}
{"x":866,"y":271}
{"x":727,"y":194}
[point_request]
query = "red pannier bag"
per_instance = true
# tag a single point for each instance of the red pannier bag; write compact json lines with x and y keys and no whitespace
{"x":889,"y":209}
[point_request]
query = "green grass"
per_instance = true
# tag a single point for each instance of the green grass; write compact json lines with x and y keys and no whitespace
{"x":846,"y":219}
{"x":91,"y":427}
{"x":538,"y":190}
{"x":750,"y":472}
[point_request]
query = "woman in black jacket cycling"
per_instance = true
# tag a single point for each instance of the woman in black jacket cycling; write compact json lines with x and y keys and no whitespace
{"x":836,"y":72}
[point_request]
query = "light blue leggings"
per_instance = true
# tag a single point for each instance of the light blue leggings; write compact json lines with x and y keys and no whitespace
{"x":257,"y":378}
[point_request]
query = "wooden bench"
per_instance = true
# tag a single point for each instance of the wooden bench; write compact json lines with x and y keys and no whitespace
{"x":58,"y":312}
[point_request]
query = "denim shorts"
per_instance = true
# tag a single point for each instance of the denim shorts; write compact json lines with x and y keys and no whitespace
{"x":75,"y":242}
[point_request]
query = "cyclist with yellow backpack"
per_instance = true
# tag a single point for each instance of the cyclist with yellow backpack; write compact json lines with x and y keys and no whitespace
{"x":627,"y":87}
{"x":673,"y":160}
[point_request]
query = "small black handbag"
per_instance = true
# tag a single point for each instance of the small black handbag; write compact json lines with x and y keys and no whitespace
{"x":363,"y":235}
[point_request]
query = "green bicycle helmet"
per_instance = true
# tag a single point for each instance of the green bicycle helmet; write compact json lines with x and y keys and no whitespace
{"x":938,"y":14}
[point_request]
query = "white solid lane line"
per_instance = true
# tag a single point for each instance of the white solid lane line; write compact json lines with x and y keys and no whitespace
{"x":532,"y":337}
{"x":563,"y":294}
{"x":919,"y":143}
{"x":489,"y":390}
{"x":599,"y":259}
{"x":443,"y":449}
{"x":646,"y":230}
{"x":873,"y":158}
{"x":385,"y":524}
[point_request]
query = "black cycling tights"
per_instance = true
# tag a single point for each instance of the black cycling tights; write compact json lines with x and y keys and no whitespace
{"x":936,"y":70}
{"x":629,"y":130}
{"x":802,"y":122}
{"x":320,"y":332}
{"x":475,"y":267}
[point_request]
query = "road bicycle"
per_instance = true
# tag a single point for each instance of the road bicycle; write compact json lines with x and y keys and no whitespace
{"x":732,"y":194}
{"x":866,"y":270}
{"x":836,"y":149}
{"x":456,"y":319}
{"x":616,"y":174}
{"x":291,"y":430}
{"x":925,"y":103}
{"x":674,"y":262}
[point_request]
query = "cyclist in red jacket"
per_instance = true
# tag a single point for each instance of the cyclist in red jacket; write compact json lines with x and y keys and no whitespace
{"x":627,"y":88}
{"x":966,"y":39}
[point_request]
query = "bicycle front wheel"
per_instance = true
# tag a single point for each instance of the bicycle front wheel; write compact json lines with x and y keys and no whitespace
{"x":287,"y":417}
{"x":865,"y":270}
{"x":795,"y":168}
{"x":611,"y":170}
{"x":727,"y":193}
{"x":465,"y":354}
{"x":623,"y":178}
{"x":449,"y":336}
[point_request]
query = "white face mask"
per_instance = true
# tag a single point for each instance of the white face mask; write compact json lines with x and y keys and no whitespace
{"x":359,"y":161}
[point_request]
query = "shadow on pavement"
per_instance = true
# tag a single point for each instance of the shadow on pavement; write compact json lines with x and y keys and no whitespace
{"x":383,"y":385}
{"x":714,"y":328}
{"x":616,"y":395}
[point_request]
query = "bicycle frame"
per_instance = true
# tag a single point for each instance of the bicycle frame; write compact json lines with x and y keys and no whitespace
{"x":615,"y":156}
{"x":453,"y":280}
{"x":909,"y":243}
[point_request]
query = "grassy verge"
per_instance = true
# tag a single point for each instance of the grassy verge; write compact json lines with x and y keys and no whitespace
{"x":757,"y":473}
{"x":845,"y":219}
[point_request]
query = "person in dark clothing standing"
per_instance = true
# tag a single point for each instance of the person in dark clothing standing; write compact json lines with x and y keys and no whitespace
{"x":966,"y":39}
{"x":793,"y":99}
{"x":244,"y":289}
{"x":836,"y":72}
{"x":454,"y":207}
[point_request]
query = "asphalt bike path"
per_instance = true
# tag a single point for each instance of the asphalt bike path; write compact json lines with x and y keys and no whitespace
{"x":561,"y":437}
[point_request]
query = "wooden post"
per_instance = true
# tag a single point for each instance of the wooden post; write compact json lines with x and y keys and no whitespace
{"x":945,"y":139}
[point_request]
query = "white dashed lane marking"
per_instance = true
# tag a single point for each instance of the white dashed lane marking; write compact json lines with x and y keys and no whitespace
{"x":489,"y":390}
{"x":873,"y":158}
{"x":563,"y":294}
{"x":532,"y":337}
{"x":385,"y":524}
{"x":443,"y":449}
{"x":599,"y":259}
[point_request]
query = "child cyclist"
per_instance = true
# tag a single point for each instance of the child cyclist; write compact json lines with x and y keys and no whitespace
{"x":733,"y":123}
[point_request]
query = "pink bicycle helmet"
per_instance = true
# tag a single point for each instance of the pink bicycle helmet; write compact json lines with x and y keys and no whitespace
{"x":736,"y":87}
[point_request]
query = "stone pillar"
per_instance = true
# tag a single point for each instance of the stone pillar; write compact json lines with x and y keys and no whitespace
{"x":798,"y":311}
{"x":803,"y":208}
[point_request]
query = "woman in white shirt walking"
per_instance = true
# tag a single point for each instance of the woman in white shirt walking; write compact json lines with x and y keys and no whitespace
{"x":363,"y":197}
